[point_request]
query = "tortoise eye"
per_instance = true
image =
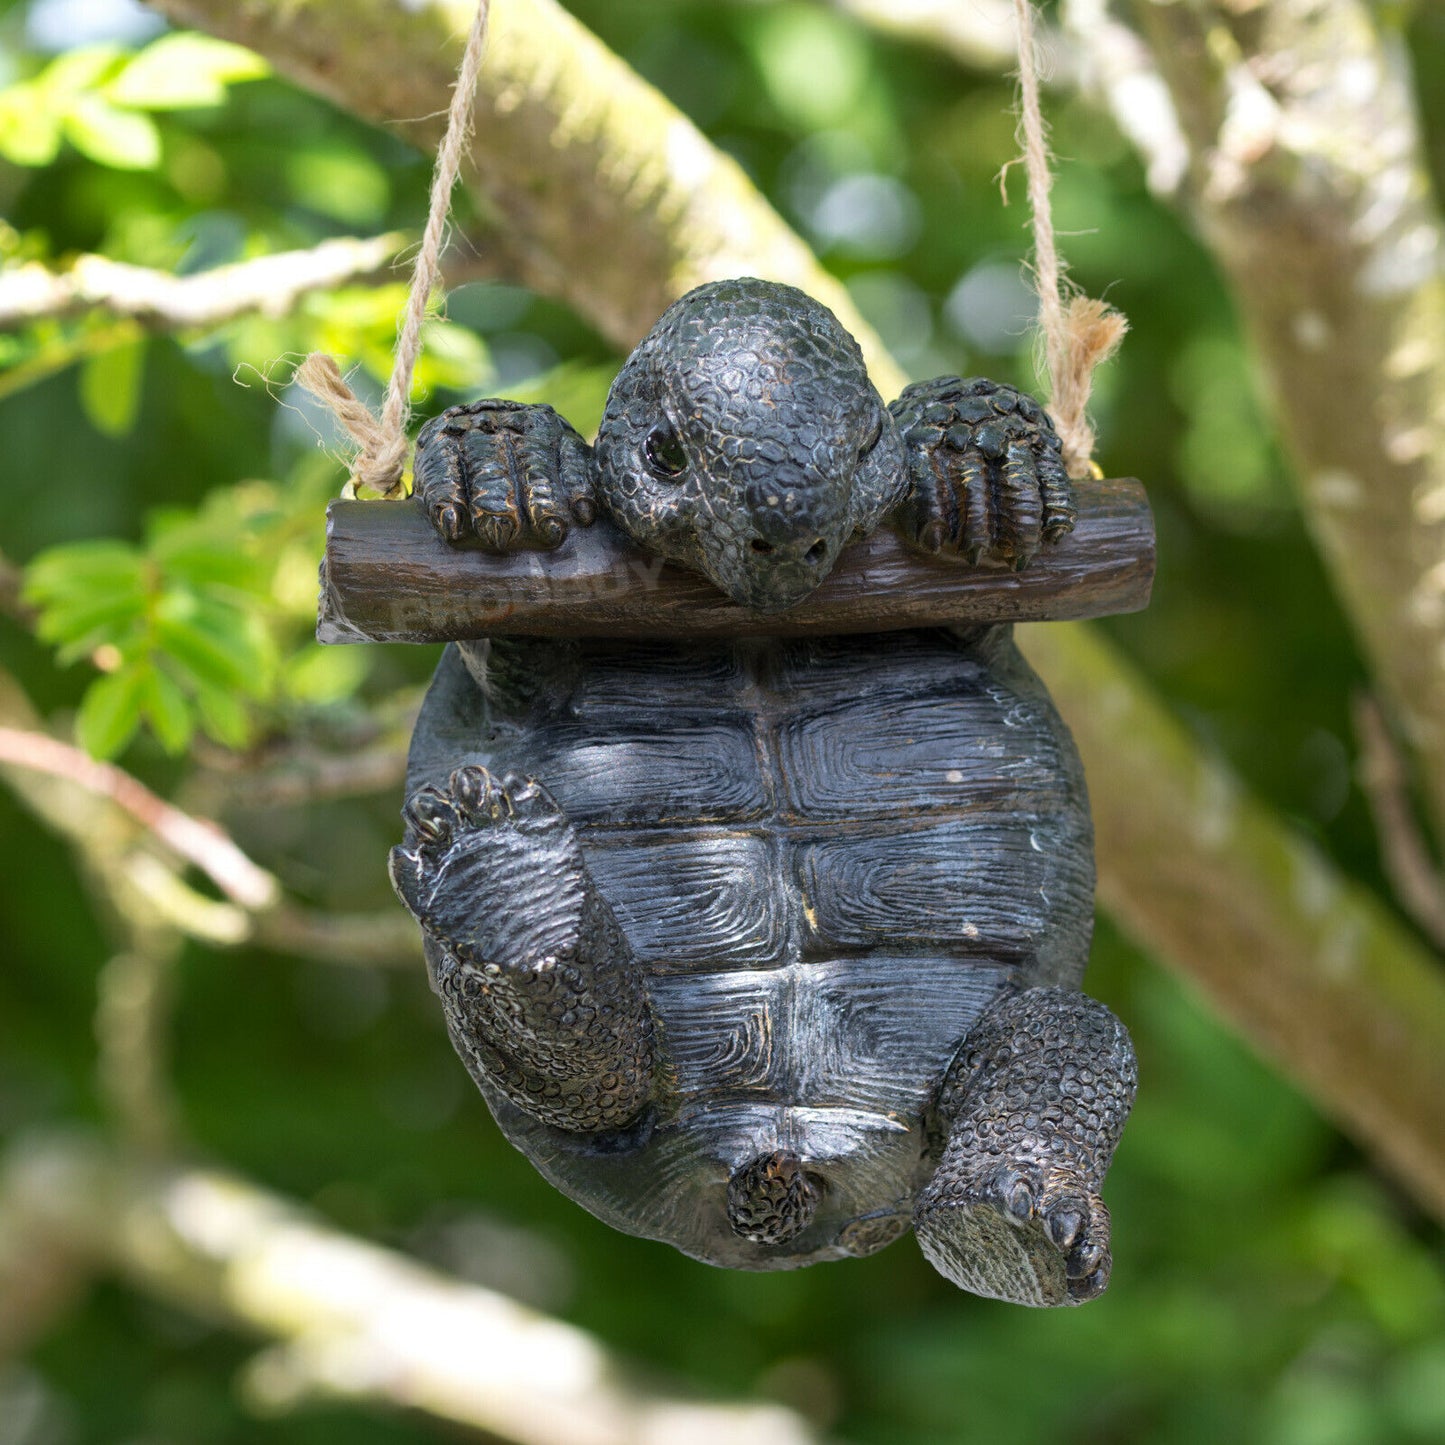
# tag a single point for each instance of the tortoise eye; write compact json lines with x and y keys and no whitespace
{"x":664,"y":453}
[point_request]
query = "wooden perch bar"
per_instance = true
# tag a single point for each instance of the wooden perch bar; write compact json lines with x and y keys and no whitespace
{"x":389,"y":578}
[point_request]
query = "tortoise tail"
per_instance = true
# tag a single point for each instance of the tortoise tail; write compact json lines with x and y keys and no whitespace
{"x":773,"y":1198}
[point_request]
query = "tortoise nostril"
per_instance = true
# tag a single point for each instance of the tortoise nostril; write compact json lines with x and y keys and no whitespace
{"x":816,"y":553}
{"x":760,"y":547}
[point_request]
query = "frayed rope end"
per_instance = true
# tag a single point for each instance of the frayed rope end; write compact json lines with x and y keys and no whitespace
{"x":1092,"y":333}
{"x":380,"y":463}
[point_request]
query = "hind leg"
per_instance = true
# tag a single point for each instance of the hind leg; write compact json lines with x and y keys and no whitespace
{"x":543,"y":999}
{"x":1036,"y":1101}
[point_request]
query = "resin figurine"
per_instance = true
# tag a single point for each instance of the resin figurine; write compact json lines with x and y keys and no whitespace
{"x":770,"y":947}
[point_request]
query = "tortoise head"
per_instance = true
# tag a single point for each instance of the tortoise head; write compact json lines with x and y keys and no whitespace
{"x":740,"y":436}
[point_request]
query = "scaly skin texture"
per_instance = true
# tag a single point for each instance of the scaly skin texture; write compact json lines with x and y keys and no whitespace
{"x":743,"y":438}
{"x":1035,"y":1104}
{"x":540,"y":991}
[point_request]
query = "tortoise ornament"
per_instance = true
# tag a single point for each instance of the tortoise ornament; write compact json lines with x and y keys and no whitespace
{"x":770,"y":947}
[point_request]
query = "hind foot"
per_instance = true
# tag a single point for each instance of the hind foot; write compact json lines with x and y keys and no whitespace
{"x":1018,"y":1232}
{"x":484,"y":853}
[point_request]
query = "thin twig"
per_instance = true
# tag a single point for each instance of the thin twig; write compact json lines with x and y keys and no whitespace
{"x":197,"y":840}
{"x":1417,"y":882}
{"x":266,"y":285}
{"x":982,"y":34}
{"x":134,"y":996}
{"x":302,"y":775}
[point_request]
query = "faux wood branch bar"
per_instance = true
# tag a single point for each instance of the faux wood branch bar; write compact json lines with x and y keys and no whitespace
{"x":388,"y":577}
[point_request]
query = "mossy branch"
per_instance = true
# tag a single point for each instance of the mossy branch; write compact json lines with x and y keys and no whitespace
{"x":605,"y":196}
{"x":1304,"y":963}
{"x":347,"y":1320}
{"x":1307,"y":178}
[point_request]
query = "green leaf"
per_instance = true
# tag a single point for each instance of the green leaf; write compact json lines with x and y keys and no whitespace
{"x":338,"y":181}
{"x":184,"y":70}
{"x":122,"y":139}
{"x":194,"y":652}
{"x":220,"y":645}
{"x":167,"y":710}
{"x":110,"y":387}
{"x":80,"y":625}
{"x":322,"y":675}
{"x":224,"y":717}
{"x":29,"y":126}
{"x":203,"y":562}
{"x":82,"y":570}
{"x":110,"y":712}
{"x":75,"y":71}
{"x":452,"y":357}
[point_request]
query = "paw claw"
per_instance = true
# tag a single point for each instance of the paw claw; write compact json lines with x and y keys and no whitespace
{"x":1093,"y":1285}
{"x":985,"y":463}
{"x":1086,"y":1259}
{"x":508,"y":473}
{"x":474,"y":840}
{"x":448,"y":521}
{"x":1016,"y":1195}
{"x":430,"y":815}
{"x":470,"y":787}
{"x":1065,"y":1225}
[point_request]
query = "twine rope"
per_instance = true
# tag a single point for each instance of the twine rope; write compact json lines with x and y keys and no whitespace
{"x":381,"y":461}
{"x":1078,"y":331}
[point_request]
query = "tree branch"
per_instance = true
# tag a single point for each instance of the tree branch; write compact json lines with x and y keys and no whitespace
{"x":1308,"y":182}
{"x":1414,"y":876}
{"x":1306,"y":964}
{"x":271,"y":285}
{"x":982,"y":34}
{"x":651,"y":224}
{"x":96,"y":807}
{"x":198,"y":841}
{"x":601,"y":192}
{"x":352,"y":1320}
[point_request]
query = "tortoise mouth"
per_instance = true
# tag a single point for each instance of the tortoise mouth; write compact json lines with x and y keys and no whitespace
{"x":773,"y":1198}
{"x":777,"y":580}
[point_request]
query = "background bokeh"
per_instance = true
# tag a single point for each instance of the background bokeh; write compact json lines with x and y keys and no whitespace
{"x":1269,"y":1285}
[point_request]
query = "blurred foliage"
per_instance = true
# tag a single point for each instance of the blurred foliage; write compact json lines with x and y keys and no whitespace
{"x":1268,"y":1287}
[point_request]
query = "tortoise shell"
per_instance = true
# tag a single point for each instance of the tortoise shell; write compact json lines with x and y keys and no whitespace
{"x":830,"y":857}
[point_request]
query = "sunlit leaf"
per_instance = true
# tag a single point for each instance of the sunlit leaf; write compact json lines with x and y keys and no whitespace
{"x":325,"y":674}
{"x":79,"y":70}
{"x":123,"y":139}
{"x":110,"y":712}
{"x":77,"y":628}
{"x":110,"y":384}
{"x":184,"y":70}
{"x":337,"y":181}
{"x":453,"y":357}
{"x":196,"y":652}
{"x":29,"y":127}
{"x":206,"y":562}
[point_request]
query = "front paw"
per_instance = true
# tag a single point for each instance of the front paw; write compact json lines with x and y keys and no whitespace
{"x":486,"y":861}
{"x":507,"y":474}
{"x":987,"y":472}
{"x":1019,"y":1232}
